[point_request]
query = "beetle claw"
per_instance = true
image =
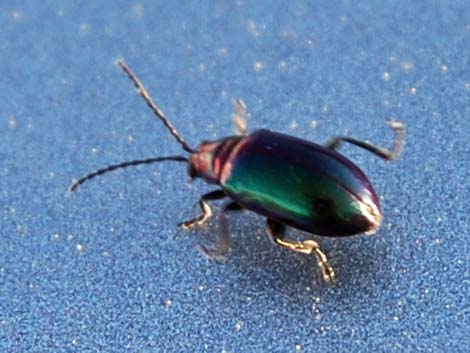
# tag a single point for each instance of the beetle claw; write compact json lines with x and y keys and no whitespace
{"x":327,"y":271}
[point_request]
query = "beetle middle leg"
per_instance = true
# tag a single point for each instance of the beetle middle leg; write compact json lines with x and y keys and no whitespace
{"x":206,"y":210}
{"x":387,"y":154}
{"x":223,"y":241}
{"x":276,"y":231}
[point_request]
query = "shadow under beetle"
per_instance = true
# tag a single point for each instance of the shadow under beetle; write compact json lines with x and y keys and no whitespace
{"x":290,"y":181}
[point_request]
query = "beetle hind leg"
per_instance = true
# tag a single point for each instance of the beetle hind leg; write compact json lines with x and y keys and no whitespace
{"x":223,"y":241}
{"x":276,"y":231}
{"x":387,"y":154}
{"x":206,"y":210}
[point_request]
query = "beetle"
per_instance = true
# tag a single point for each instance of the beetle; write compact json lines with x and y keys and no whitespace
{"x":290,"y":181}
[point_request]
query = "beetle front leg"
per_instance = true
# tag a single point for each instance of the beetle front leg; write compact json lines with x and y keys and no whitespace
{"x":239,"y":117}
{"x":276,"y":231}
{"x":391,"y":154}
{"x":206,"y":210}
{"x":223,"y":241}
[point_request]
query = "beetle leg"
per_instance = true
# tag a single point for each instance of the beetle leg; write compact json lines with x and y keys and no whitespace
{"x":206,"y":210}
{"x":276,"y":232}
{"x":391,"y":154}
{"x":223,"y":242}
{"x":239,"y":117}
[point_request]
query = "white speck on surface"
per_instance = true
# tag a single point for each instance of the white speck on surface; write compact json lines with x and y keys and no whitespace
{"x":289,"y":34}
{"x":223,"y":52}
{"x":84,"y":28}
{"x":74,"y":341}
{"x":298,"y":347}
{"x":17,"y":15}
{"x":407,"y":65}
{"x":56,"y":236}
{"x":12,"y":123}
{"x":258,"y":66}
{"x":313,"y":124}
{"x":80,"y":247}
{"x":325,"y":108}
{"x":293,"y":125}
{"x":70,"y":237}
{"x":444,"y":69}
{"x":201,"y":67}
{"x":386,"y":76}
{"x":239,"y":326}
{"x":467,"y":85}
{"x":168,"y":303}
{"x":252,"y":28}
{"x":413,"y":90}
{"x":130,"y":138}
{"x":94,"y":151}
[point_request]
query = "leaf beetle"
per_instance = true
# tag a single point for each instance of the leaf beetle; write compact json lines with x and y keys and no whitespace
{"x":292,"y":182}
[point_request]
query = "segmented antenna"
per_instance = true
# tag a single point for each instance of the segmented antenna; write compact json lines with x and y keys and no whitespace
{"x":110,"y":168}
{"x":146,"y":96}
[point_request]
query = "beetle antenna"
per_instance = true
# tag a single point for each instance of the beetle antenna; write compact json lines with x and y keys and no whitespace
{"x":146,"y":96}
{"x":122,"y":165}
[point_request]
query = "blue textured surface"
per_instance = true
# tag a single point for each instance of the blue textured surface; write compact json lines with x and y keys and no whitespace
{"x":106,"y":269}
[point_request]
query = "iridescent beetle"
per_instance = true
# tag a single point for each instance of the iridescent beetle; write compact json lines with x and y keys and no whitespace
{"x":290,"y":181}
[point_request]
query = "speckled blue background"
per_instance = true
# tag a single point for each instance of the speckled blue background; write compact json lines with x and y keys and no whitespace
{"x":107,"y":270}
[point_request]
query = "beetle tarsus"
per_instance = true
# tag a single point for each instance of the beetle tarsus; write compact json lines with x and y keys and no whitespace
{"x":387,"y":154}
{"x":206,"y":210}
{"x":276,"y":232}
{"x":322,"y":261}
{"x":239,"y":117}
